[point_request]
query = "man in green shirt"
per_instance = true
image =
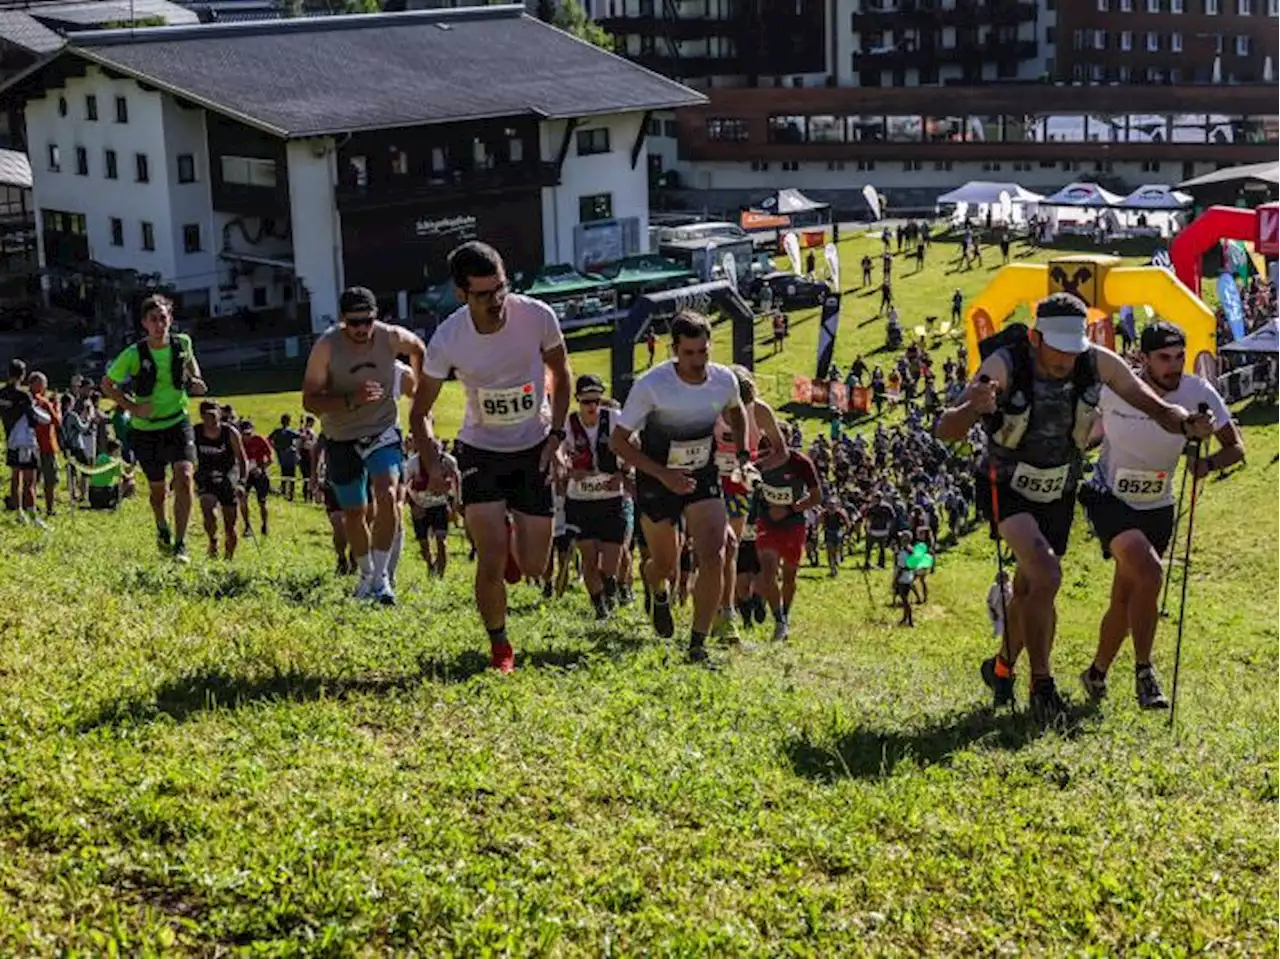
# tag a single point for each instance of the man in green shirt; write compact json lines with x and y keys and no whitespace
{"x":162,"y":372}
{"x":107,"y":478}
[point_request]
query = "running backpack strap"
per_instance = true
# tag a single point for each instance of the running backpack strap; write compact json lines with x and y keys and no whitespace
{"x":606,"y":462}
{"x":1088,"y":393}
{"x":144,"y":381}
{"x":180,"y":357}
{"x":582,"y":457}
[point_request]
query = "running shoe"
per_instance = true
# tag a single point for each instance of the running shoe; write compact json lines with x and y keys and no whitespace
{"x":781,"y":631}
{"x":1047,"y":706}
{"x":697,"y":652}
{"x":364,"y":588}
{"x":1000,"y":686}
{"x":501,"y":656}
{"x":1094,"y":685}
{"x":37,"y":522}
{"x":760,"y":609}
{"x":663,"y":624}
{"x":164,"y":539}
{"x":385,"y":594}
{"x":181,"y":554}
{"x":1147,"y":686}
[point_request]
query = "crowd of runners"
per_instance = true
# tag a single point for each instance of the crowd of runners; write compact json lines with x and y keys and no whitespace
{"x":691,"y":485}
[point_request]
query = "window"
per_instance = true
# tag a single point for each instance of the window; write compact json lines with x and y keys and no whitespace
{"x":1175,"y":42}
{"x":1104,"y":6}
{"x":1244,"y":8}
{"x":912,"y":166}
{"x":1176,"y":6}
{"x":90,"y":107}
{"x":1219,"y":43}
{"x":55,"y":159}
{"x":835,"y":166}
{"x":1097,"y":73}
{"x":191,"y":238}
{"x":117,"y":231}
{"x":759,"y":166}
{"x":122,"y":109}
{"x":1077,"y":39}
{"x":1153,"y":42}
{"x":515,"y":146}
{"x":1022,"y":166}
{"x":866,"y":129}
{"x":1150,"y":166}
{"x":1126,"y":6}
{"x":654,"y":127}
{"x":990,"y":166}
{"x":112,"y":171}
{"x":259,"y":297}
{"x":597,"y":206}
{"x":904,"y":129}
{"x":249,"y":171}
{"x":942,"y":165}
{"x":62,"y":106}
{"x":1070,"y":166}
{"x":1102,"y":166}
{"x":866,"y":166}
{"x":1124,"y":74}
{"x":82,"y":161}
{"x":1273,"y":8}
{"x":1211,"y":8}
{"x":142,"y":169}
{"x":1126,"y":39}
{"x":1099,"y":39}
{"x":670,"y":128}
{"x":591,"y":142}
{"x":1242,"y":45}
{"x":787,"y":129}
{"x":1153,"y":6}
{"x":148,"y":236}
{"x":186,"y":168}
{"x":727,"y":130}
{"x":1051,"y":165}
{"x":400,"y":162}
{"x":790,"y":166}
{"x":826,"y":129}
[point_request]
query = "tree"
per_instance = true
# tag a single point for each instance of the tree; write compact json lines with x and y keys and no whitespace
{"x":569,"y":16}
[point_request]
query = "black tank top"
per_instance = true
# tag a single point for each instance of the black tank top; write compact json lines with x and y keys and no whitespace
{"x":215,"y":455}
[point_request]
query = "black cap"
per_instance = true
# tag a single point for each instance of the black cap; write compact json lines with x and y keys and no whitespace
{"x":588,"y":383}
{"x":1161,"y":334}
{"x":208,"y":406}
{"x":357,"y":299}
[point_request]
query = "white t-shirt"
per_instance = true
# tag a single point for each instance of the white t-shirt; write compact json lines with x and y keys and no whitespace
{"x":416,"y":479}
{"x":677,"y":420}
{"x":503,"y":373}
{"x":1138,"y":456}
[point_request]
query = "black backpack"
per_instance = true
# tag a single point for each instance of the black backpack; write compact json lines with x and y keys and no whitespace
{"x":1016,"y":400}
{"x":144,"y":381}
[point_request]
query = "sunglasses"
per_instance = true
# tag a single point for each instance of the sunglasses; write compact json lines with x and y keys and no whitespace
{"x":358,"y":321}
{"x":588,"y":402}
{"x":489,"y":296}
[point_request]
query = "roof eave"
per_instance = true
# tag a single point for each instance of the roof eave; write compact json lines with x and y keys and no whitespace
{"x":641,"y":108}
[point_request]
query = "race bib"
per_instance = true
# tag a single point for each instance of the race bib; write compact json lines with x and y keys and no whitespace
{"x":425,"y":499}
{"x":1040,"y":485}
{"x":689,"y":454}
{"x":369,"y":445}
{"x":509,"y":406}
{"x":777,"y":495}
{"x":1141,"y":486}
{"x":594,"y":487}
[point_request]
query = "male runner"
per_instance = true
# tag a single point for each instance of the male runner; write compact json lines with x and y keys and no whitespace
{"x":163,"y":374}
{"x":1129,"y":502}
{"x":786,"y":491}
{"x":674,"y":406}
{"x":220,"y":457}
{"x":1036,"y":393}
{"x":350,"y":384}
{"x":594,"y":497}
{"x":284,"y":440}
{"x":258,"y":454}
{"x":430,"y":511}
{"x":503,"y":348}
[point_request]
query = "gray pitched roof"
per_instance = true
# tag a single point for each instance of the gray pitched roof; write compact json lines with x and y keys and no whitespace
{"x":23,"y":30}
{"x":15,"y":170}
{"x":91,"y":13}
{"x":335,"y":74}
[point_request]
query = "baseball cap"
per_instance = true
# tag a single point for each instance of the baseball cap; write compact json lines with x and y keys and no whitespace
{"x":588,"y":383}
{"x":357,"y":299}
{"x":1062,"y":321}
{"x":208,"y":406}
{"x":1158,"y":335}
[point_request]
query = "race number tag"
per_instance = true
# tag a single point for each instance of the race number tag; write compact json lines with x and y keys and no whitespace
{"x":509,"y":406}
{"x":369,"y":445}
{"x":689,"y":454}
{"x":1040,"y":485}
{"x":1141,"y":486}
{"x":777,"y":495}
{"x":595,"y":487}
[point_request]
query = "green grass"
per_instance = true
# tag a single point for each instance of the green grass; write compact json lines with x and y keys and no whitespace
{"x":238,"y":759}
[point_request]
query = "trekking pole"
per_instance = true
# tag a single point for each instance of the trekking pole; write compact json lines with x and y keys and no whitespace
{"x":1186,"y":571}
{"x":995,"y":535}
{"x":1173,"y":548}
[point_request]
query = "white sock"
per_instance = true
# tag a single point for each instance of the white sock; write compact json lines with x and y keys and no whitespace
{"x":397,"y":545}
{"x":365,"y":563}
{"x":381,"y":558}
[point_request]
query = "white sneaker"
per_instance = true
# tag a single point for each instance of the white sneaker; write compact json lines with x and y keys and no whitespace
{"x":364,"y":589}
{"x":22,"y":518}
{"x":780,"y":631}
{"x":37,"y":522}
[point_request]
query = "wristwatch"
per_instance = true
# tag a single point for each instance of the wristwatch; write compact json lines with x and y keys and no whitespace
{"x":557,"y":433}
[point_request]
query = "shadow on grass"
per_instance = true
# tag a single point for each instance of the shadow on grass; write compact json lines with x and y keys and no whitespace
{"x":873,"y":754}
{"x":1258,"y":414}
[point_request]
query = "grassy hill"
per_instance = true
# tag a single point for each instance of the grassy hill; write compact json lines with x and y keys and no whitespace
{"x":237,"y":759}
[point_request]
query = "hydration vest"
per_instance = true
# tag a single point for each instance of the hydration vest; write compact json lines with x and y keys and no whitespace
{"x":144,"y":381}
{"x":1008,"y":425}
{"x":602,"y":459}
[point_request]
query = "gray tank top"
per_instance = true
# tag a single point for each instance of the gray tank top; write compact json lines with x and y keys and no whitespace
{"x":349,"y":367}
{"x":1047,"y":441}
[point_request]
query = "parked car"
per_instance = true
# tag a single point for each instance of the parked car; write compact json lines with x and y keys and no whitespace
{"x":790,"y":291}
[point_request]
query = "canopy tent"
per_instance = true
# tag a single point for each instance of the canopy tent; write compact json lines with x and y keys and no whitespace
{"x":561,"y":279}
{"x":1082,"y":195}
{"x":1268,"y":172}
{"x":788,"y":203}
{"x":783,"y":209}
{"x":987,"y":192}
{"x":1155,"y":196}
{"x":1265,"y":339}
{"x":643,"y":272}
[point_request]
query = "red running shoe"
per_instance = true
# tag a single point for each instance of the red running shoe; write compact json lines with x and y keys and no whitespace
{"x":502,"y":657}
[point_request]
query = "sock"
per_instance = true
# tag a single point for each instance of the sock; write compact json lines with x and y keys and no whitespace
{"x":611,"y":589}
{"x":1038,"y":681}
{"x":365,"y":565}
{"x":744,"y":610}
{"x":380,"y":559}
{"x":393,"y":563}
{"x":1138,"y":668}
{"x":697,"y":639}
{"x":1003,"y":669}
{"x":1096,"y":673}
{"x":498,"y":634}
{"x":779,"y":614}
{"x":598,"y":602}
{"x":786,"y":610}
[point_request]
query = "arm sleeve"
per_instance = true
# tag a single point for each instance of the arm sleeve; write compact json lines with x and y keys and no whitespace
{"x":436,"y":364}
{"x":635,"y":412}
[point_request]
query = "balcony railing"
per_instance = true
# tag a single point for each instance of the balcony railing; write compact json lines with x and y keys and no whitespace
{"x":409,"y":188}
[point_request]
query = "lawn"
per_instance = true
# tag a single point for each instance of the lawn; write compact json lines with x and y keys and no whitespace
{"x":237,"y":759}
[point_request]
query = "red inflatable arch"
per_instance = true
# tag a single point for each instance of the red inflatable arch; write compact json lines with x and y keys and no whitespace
{"x":1214,"y":224}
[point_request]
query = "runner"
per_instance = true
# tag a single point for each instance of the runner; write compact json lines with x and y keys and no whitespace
{"x":1129,"y":502}
{"x":430,"y":511}
{"x":503,"y":348}
{"x":306,"y":443}
{"x":258,"y":454}
{"x":786,"y":491}
{"x":163,"y":374}
{"x":903,"y":578}
{"x":1036,"y":393}
{"x":595,"y":495}
{"x":284,"y":440}
{"x":22,"y":450}
{"x":350,"y":383}
{"x":834,"y":521}
{"x":220,"y":458}
{"x":322,"y":492}
{"x":674,"y":407}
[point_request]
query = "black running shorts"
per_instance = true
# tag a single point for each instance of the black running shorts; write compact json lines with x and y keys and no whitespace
{"x":748,"y":560}
{"x":661,"y":505}
{"x":512,"y":478}
{"x":1110,"y":516}
{"x":219,"y":486}
{"x":157,"y":450}
{"x":434,"y":520}
{"x":1053,"y":519}
{"x":601,"y":520}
